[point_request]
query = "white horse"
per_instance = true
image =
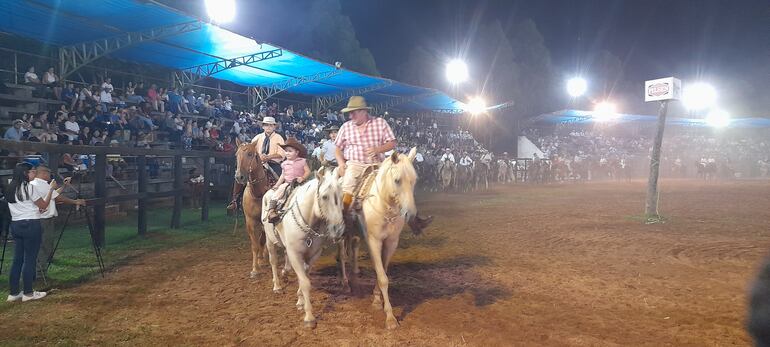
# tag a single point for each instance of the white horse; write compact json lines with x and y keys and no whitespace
{"x":312,"y":215}
{"x":389,"y":203}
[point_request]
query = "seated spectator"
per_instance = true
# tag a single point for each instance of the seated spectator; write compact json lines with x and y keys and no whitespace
{"x":69,"y":96}
{"x":227,"y":107}
{"x":52,"y":81}
{"x":98,"y":138}
{"x":14,"y":133}
{"x":163,"y":95}
{"x":153,"y":97}
{"x":176,"y":102}
{"x":105,"y":95}
{"x":191,"y":101}
{"x":30,"y":77}
{"x":72,"y":128}
{"x":131,"y":95}
{"x":85,"y":135}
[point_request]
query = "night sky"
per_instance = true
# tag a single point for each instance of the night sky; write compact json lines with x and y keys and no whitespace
{"x":724,"y":42}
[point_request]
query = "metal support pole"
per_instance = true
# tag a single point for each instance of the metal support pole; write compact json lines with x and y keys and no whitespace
{"x":141,"y":166}
{"x":206,"y":187}
{"x":651,"y":207}
{"x":100,"y":192}
{"x":177,"y":214}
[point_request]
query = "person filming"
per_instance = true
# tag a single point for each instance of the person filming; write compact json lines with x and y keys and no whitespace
{"x":25,"y":202}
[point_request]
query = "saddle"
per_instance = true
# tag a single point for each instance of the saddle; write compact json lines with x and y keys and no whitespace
{"x":361,"y":192}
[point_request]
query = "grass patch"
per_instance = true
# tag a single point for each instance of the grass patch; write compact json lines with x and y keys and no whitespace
{"x":75,"y":262}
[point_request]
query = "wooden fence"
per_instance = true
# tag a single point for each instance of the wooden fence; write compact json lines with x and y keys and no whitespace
{"x":100,"y":199}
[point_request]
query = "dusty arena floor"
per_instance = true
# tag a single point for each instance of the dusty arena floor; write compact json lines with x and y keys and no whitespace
{"x":518,"y":265}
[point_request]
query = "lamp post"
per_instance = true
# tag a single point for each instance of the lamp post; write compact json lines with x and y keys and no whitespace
{"x":662,"y":90}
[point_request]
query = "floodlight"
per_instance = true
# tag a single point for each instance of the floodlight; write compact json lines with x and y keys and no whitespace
{"x":221,"y":11}
{"x":456,"y":71}
{"x":718,"y":118}
{"x":476,"y":105}
{"x":576,"y":87}
{"x":699,"y":96}
{"x":605,"y":111}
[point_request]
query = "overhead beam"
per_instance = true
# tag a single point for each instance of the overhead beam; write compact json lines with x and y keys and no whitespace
{"x":263,"y":93}
{"x":323,"y":103}
{"x":196,"y":73}
{"x":73,"y":57}
{"x":384,"y":106}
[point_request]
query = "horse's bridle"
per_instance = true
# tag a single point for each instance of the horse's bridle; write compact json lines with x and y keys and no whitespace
{"x":253,"y":182}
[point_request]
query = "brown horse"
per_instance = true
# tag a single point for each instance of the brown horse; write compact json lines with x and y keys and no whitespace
{"x":250,"y":172}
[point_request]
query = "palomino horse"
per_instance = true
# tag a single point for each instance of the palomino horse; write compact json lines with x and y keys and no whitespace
{"x":251,"y":173}
{"x":445,"y":173}
{"x":388,"y":205}
{"x":313,"y":214}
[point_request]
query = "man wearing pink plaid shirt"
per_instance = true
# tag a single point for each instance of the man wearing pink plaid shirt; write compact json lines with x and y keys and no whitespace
{"x":361,"y":142}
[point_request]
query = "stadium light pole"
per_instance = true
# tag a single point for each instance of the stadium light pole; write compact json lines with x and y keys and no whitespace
{"x":662,"y":90}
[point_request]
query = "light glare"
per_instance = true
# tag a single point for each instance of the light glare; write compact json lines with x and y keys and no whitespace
{"x":476,"y":105}
{"x":605,"y":111}
{"x":456,"y":71}
{"x":221,"y":11}
{"x":699,"y":96}
{"x":576,"y":87}
{"x":718,"y":119}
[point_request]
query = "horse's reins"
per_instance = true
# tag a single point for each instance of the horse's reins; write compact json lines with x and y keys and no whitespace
{"x":311,"y":232}
{"x":391,"y":214}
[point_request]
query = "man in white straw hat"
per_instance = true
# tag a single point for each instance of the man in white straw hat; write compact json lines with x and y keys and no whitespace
{"x":360,"y":143}
{"x":270,"y":153}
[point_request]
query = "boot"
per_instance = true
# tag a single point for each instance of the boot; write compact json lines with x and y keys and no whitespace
{"x":418,"y":224}
{"x":237,"y":189}
{"x":272,"y":214}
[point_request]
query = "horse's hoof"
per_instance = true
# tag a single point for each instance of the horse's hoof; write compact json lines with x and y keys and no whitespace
{"x":278,"y":291}
{"x":300,"y":307}
{"x":391,"y":323}
{"x":310,"y":324}
{"x":377,"y":304}
{"x":253,"y":274}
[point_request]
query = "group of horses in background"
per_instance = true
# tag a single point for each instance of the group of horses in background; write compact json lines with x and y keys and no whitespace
{"x":447,"y":176}
{"x":312,"y":219}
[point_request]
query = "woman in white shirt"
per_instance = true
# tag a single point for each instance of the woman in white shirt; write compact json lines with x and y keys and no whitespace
{"x":25,"y":203}
{"x":52,"y":81}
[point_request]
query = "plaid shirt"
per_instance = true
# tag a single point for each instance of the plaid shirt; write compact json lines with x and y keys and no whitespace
{"x":354,"y":140}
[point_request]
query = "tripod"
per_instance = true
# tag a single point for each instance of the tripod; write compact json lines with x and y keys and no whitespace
{"x":94,"y":245}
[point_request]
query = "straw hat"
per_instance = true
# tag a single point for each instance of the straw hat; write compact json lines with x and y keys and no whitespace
{"x":293,"y":143}
{"x":269,"y":120}
{"x":356,"y":103}
{"x":332,"y":129}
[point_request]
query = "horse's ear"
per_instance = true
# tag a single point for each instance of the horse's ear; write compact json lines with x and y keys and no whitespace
{"x":320,"y":173}
{"x":238,"y":142}
{"x":412,"y":154}
{"x":394,"y":157}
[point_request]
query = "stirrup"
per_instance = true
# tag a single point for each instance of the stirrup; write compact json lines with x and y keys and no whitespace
{"x":232,"y":205}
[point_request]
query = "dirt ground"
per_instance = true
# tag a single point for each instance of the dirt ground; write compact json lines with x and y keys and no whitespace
{"x":521,"y":265}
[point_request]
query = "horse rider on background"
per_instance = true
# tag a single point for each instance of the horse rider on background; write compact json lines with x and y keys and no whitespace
{"x":270,"y":153}
{"x":361,"y":142}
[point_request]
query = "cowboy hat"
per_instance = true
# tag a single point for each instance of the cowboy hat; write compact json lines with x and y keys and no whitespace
{"x":332,"y":128}
{"x":269,"y":120}
{"x":293,"y":143}
{"x":356,"y":103}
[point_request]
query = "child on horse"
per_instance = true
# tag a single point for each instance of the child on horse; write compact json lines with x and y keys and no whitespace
{"x":295,"y":170}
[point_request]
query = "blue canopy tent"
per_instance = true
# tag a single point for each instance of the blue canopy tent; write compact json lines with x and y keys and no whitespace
{"x":586,"y":117}
{"x":148,"y":32}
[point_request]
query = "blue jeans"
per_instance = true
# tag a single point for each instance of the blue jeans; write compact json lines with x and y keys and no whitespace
{"x":27,"y":235}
